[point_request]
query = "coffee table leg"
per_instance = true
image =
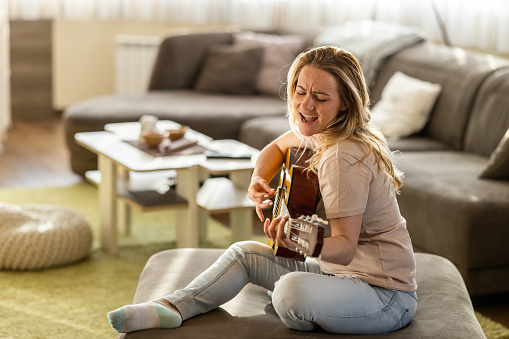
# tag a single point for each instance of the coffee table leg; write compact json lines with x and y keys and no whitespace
{"x":202,"y":214}
{"x":123,"y":209}
{"x":241,"y":220}
{"x":108,"y":204}
{"x":188,"y":219}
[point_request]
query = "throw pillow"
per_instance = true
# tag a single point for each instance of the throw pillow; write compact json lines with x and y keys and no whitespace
{"x":404,"y":106}
{"x":279,"y":53}
{"x":498,"y":166}
{"x":229,"y":69}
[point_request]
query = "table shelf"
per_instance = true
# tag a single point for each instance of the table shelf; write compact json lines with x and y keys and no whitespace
{"x":141,"y":193}
{"x":218,"y":195}
{"x":151,"y":200}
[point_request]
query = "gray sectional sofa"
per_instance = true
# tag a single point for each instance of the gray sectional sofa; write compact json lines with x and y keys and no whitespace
{"x":451,"y":211}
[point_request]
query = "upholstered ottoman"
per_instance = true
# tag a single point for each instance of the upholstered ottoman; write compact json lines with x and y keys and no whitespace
{"x":444,"y":309}
{"x":34,"y":237}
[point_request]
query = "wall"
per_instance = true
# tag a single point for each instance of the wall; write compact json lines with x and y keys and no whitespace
{"x":84,"y":56}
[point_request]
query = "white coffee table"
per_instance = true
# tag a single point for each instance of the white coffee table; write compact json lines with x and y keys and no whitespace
{"x":120,"y":164}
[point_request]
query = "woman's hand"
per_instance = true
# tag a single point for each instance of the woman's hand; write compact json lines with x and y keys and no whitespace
{"x":267,"y":166}
{"x":275,"y":230}
{"x":260,"y":193}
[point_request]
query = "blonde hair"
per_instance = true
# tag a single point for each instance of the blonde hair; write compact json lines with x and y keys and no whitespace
{"x":351,"y":124}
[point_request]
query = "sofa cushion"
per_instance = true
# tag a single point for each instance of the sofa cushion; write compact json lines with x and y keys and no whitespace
{"x":259,"y":132}
{"x":450,"y":212}
{"x":444,"y":309}
{"x":179,"y":58}
{"x":490,"y":115}
{"x":417,"y":143}
{"x":216,"y":115}
{"x":279,"y":53}
{"x":230,"y":69}
{"x":404,"y":106}
{"x":459,"y":72}
{"x":498,"y":166}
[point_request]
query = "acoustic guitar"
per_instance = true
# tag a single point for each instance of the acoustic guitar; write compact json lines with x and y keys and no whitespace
{"x":297,"y":197}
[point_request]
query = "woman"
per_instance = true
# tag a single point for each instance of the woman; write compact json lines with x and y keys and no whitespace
{"x":366,"y":274}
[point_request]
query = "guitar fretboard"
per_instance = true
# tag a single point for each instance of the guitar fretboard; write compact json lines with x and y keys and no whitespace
{"x":280,"y":209}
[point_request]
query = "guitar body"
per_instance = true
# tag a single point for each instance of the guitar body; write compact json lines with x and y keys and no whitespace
{"x":298,"y":190}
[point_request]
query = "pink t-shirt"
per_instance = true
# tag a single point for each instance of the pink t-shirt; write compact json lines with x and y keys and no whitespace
{"x":384,"y":254}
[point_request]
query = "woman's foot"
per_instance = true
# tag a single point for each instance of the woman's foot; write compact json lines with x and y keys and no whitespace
{"x":152,"y":314}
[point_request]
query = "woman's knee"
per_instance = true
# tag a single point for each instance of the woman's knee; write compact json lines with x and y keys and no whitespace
{"x":249,"y":252}
{"x":248,"y":247}
{"x":292,"y":299}
{"x":291,"y":285}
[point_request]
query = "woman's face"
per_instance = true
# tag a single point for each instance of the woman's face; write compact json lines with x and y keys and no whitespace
{"x":316,"y":101}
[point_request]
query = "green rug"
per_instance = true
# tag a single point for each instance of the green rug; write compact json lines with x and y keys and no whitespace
{"x":72,"y":301}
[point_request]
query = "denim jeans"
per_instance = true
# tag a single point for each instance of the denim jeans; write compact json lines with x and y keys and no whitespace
{"x":303,"y":296}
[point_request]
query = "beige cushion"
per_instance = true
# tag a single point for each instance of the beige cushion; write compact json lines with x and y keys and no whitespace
{"x":498,"y":166}
{"x":230,"y":69}
{"x":405,"y":105}
{"x":34,"y":237}
{"x":444,"y":309}
{"x":279,"y":53}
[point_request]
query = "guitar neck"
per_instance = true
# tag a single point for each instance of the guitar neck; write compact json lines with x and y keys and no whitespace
{"x":297,"y":195}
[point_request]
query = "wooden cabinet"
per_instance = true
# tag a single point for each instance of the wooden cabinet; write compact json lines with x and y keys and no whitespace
{"x":31,"y":69}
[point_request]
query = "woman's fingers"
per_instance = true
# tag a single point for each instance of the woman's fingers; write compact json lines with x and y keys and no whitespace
{"x":266,"y":225}
{"x":280,"y":232}
{"x":269,"y":191}
{"x":260,"y":193}
{"x":275,"y":230}
{"x":270,"y":228}
{"x":261,"y":197}
{"x":260,"y":189}
{"x":259,"y":213}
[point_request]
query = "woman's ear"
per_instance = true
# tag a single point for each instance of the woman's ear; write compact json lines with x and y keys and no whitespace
{"x":344,"y":107}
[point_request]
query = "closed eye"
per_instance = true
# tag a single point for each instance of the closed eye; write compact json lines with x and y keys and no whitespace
{"x":303,"y":92}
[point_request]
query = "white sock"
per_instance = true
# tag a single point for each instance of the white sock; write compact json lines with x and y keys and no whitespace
{"x":151,"y":314}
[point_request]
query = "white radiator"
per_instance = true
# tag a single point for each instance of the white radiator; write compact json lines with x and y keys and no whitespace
{"x":135,"y":56}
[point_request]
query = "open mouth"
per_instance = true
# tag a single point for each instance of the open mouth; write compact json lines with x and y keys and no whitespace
{"x":308,"y":118}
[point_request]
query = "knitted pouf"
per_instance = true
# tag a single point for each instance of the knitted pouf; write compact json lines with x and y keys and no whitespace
{"x":34,"y":237}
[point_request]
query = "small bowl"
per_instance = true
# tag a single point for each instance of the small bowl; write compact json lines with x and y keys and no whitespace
{"x":153,"y":139}
{"x":175,"y":134}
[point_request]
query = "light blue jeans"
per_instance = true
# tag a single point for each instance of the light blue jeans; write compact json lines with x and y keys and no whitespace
{"x":303,"y":296}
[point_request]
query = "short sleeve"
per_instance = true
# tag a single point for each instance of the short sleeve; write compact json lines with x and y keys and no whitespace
{"x":344,"y":184}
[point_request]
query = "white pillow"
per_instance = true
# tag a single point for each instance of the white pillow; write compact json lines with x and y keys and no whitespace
{"x":404,"y":106}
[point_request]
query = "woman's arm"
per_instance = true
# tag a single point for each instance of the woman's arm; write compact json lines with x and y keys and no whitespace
{"x":267,"y":166}
{"x":340,"y":247}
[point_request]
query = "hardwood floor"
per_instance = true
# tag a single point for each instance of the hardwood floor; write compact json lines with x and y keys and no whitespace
{"x":495,"y":307}
{"x":35,"y":155}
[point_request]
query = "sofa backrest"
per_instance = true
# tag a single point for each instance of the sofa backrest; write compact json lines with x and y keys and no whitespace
{"x":459,"y":72}
{"x":490,"y":115}
{"x":180,"y":56}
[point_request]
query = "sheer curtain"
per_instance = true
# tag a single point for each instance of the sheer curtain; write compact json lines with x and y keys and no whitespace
{"x":480,"y":24}
{"x":5,"y":102}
